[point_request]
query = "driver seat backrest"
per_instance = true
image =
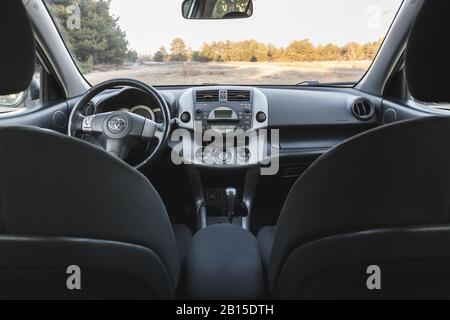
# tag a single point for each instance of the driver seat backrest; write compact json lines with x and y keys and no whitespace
{"x":64,"y":202}
{"x":56,"y":187}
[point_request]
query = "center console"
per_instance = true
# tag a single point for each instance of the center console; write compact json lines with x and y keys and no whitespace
{"x":227,"y":142}
{"x":223,"y":263}
{"x":223,"y":153}
{"x":223,"y":197}
{"x":225,"y":123}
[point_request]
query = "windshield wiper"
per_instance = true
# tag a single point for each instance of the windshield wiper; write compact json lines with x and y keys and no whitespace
{"x":316,"y":83}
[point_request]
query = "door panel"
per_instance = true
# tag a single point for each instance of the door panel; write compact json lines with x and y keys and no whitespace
{"x":53,"y":117}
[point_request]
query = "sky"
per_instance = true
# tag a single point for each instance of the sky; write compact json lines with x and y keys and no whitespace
{"x":152,"y":23}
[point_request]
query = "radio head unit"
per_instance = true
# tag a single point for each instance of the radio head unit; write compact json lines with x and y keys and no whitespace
{"x":224,"y":110}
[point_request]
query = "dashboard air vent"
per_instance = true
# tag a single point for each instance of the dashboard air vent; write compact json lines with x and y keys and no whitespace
{"x":89,"y":109}
{"x":207,"y":96}
{"x":363,"y":109}
{"x":239,"y":95}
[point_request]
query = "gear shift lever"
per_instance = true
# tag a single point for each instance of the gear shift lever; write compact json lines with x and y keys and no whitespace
{"x":231,"y":202}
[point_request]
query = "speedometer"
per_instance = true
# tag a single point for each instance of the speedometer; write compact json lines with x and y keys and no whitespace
{"x":144,"y":111}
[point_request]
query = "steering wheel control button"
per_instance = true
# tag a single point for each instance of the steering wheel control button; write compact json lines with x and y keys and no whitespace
{"x":185,"y":117}
{"x":261,"y":117}
{"x":117,"y":124}
{"x":86,"y":126}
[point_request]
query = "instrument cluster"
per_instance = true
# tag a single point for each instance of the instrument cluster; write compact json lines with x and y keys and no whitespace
{"x":152,"y":113}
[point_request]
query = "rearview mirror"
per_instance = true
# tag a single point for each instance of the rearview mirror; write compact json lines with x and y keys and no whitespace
{"x":217,"y":9}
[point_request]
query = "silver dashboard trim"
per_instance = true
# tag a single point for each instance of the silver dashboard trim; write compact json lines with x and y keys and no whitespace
{"x":260,"y":104}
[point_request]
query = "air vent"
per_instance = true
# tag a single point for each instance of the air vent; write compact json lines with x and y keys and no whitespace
{"x":239,"y":95}
{"x":363,"y":109}
{"x":207,"y":96}
{"x":89,"y":109}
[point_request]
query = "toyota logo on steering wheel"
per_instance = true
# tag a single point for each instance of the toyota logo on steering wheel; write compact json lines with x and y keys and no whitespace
{"x":117,"y":124}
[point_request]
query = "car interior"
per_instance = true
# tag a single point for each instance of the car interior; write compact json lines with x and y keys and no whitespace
{"x":94,"y":176}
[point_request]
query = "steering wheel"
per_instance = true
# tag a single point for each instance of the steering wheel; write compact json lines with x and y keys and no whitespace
{"x":119,"y":132}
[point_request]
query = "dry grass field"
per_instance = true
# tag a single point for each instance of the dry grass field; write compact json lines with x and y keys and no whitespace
{"x":186,"y":73}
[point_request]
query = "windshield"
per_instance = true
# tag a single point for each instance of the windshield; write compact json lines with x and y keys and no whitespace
{"x":284,"y":42}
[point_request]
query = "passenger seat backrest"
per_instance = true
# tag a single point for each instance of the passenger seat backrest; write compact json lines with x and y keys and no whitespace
{"x":393,"y":176}
{"x":427,"y":60}
{"x":345,"y":212}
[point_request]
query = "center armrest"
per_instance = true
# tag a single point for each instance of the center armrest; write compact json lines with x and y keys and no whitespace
{"x":224,"y":263}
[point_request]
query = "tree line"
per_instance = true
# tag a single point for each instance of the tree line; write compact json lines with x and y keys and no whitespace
{"x":254,"y":51}
{"x":99,"y":38}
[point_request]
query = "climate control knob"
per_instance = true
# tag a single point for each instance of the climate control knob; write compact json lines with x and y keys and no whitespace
{"x":243,"y":155}
{"x":223,"y":157}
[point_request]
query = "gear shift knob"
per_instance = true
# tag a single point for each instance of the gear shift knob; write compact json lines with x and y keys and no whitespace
{"x":231,"y":202}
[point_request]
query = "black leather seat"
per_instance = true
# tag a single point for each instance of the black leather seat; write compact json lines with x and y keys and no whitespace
{"x":64,"y":202}
{"x":382,"y":198}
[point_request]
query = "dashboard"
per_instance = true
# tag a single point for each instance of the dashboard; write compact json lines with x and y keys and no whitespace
{"x":308,"y":121}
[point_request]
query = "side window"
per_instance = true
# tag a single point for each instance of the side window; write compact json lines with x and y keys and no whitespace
{"x":25,"y":99}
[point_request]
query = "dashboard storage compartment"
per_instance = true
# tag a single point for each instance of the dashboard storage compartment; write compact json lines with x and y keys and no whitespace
{"x":224,"y":263}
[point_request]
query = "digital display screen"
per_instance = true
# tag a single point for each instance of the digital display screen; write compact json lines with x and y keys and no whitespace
{"x":224,"y":114}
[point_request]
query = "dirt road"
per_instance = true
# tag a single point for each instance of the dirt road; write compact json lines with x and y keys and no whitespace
{"x":173,"y":73}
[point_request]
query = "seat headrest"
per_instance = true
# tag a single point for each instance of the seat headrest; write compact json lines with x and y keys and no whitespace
{"x":427,"y":59}
{"x":17,"y":53}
